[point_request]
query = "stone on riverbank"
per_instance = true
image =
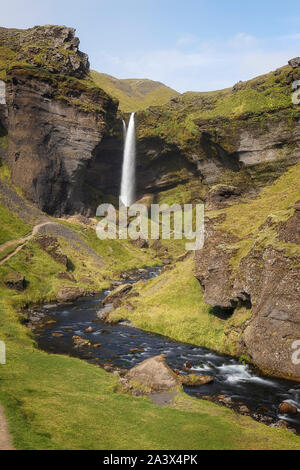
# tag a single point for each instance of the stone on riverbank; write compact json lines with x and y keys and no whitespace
{"x":117,"y":293}
{"x":69,"y":293}
{"x":154,"y":374}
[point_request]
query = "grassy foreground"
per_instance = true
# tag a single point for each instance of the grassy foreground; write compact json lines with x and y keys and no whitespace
{"x":58,"y":402}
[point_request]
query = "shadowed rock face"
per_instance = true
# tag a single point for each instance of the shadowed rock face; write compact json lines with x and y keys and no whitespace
{"x":54,"y":122}
{"x":50,"y":144}
{"x":267,"y":281}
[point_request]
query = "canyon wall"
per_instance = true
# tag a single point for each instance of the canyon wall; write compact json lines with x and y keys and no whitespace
{"x":54,"y":121}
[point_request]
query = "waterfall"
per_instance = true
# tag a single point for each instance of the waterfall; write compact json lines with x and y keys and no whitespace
{"x":124,"y":130}
{"x":127,"y":195}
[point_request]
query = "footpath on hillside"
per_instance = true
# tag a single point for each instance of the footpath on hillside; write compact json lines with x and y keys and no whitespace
{"x":5,"y":437}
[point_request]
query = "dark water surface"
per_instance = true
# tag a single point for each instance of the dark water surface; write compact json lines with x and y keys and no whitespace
{"x":231,"y":378}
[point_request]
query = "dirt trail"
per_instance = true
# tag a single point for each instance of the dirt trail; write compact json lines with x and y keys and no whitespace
{"x":5,"y":438}
{"x":57,"y":230}
{"x":20,"y":242}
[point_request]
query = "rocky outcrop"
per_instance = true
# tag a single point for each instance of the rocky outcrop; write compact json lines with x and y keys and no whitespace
{"x":55,"y":123}
{"x":51,"y":246}
{"x":118,"y":293}
{"x":295,"y":62}
{"x":218,"y":196}
{"x":50,"y":46}
{"x":245,"y":136}
{"x":266,"y":282}
{"x":15,"y":280}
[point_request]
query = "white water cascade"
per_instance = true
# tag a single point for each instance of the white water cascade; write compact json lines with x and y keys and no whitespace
{"x":127,"y":195}
{"x":124,"y":130}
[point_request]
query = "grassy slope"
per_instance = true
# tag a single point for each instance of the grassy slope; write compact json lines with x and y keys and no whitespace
{"x":245,"y":220}
{"x":267,"y":96}
{"x":134,"y":94}
{"x":184,"y":317}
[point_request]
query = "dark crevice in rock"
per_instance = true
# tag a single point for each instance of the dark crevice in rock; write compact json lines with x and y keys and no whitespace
{"x":242,"y":300}
{"x":222,"y":312}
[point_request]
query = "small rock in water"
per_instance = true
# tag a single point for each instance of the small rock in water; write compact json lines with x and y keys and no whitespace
{"x":136,"y":350}
{"x":97,"y":345}
{"x":89,"y":330}
{"x":57,"y":335}
{"x":288,"y":408}
{"x":80,"y":342}
{"x":195,"y":380}
{"x":188,"y":365}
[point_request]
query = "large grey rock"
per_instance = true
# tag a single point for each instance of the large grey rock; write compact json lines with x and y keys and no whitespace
{"x":154,"y":374}
{"x":69,"y":293}
{"x":295,"y":62}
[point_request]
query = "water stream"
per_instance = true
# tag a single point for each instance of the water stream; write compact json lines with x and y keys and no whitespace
{"x":123,"y":346}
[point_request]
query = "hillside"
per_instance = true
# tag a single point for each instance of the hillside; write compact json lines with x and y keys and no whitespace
{"x":61,"y":143}
{"x":134,"y":94}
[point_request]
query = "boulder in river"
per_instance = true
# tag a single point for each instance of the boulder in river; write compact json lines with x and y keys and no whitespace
{"x":288,"y":409}
{"x":193,"y":380}
{"x":154,"y":374}
{"x":117,"y":293}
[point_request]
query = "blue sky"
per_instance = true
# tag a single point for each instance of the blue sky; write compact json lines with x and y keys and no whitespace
{"x":195,"y":45}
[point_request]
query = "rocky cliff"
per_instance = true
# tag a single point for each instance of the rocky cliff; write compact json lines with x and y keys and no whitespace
{"x":246,"y":135}
{"x":53,"y":116}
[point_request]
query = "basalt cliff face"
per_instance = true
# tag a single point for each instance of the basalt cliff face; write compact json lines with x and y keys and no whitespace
{"x":53,"y":121}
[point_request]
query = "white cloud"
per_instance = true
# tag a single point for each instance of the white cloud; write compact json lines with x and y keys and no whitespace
{"x":186,"y":39}
{"x":242,"y":40}
{"x":204,"y":66}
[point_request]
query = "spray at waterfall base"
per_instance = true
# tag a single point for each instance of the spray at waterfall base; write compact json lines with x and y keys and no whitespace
{"x":159,"y":222}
